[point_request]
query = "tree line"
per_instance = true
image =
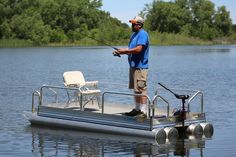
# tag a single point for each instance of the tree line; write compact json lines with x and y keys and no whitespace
{"x":197,"y":18}
{"x":68,"y":21}
{"x":52,"y":21}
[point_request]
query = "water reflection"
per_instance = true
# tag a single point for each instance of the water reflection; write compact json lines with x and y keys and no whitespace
{"x":54,"y":142}
{"x":215,"y":49}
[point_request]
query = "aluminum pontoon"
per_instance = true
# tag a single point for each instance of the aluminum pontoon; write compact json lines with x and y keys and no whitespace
{"x":56,"y":108}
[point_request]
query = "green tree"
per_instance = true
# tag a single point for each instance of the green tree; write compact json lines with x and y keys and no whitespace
{"x":166,"y":17}
{"x":202,"y":17}
{"x":29,"y":25}
{"x":196,"y":18}
{"x":43,"y":21}
{"x":57,"y":35}
{"x":5,"y":32}
{"x":222,"y":21}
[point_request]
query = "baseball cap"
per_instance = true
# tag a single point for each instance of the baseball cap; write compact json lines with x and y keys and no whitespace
{"x":137,"y":19}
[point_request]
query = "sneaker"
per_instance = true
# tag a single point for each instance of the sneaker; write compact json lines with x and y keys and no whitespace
{"x":133,"y":113}
{"x":141,"y":115}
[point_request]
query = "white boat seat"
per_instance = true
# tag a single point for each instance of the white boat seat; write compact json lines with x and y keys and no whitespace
{"x":87,"y":90}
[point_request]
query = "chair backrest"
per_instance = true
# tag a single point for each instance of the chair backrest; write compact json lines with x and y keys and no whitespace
{"x":74,"y":78}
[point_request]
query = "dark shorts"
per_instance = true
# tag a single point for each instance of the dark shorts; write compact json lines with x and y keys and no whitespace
{"x":138,"y":80}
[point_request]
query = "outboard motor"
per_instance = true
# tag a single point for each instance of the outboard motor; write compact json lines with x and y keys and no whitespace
{"x":183,"y":98}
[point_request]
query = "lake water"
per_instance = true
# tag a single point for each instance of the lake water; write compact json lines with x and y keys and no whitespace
{"x":211,"y":69}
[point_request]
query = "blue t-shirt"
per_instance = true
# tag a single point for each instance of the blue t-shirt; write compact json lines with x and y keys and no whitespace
{"x":139,"y":60}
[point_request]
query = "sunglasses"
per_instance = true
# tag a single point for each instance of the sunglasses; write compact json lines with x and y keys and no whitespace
{"x":136,"y":24}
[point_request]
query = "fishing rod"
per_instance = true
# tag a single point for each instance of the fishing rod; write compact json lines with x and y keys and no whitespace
{"x":114,"y":53}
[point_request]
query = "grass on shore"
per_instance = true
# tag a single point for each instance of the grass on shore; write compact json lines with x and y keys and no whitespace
{"x":156,"y":38}
{"x":4,"y":43}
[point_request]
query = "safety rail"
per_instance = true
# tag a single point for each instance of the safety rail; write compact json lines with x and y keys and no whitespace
{"x":51,"y":88}
{"x":55,"y":94}
{"x":127,"y":94}
{"x":161,"y":98}
{"x":196,"y":93}
{"x":151,"y":102}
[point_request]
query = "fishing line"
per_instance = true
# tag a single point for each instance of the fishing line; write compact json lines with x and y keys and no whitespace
{"x":114,"y":53}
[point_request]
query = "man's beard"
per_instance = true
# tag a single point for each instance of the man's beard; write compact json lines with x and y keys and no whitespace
{"x":134,"y":30}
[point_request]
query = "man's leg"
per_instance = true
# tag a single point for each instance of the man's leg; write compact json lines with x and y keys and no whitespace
{"x":141,"y":101}
{"x":132,"y":85}
{"x":141,"y":88}
{"x":138,"y":79}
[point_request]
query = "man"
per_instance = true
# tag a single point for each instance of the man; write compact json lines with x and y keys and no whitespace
{"x":137,"y":51}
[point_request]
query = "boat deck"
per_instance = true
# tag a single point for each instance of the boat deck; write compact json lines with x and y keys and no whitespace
{"x":109,"y":108}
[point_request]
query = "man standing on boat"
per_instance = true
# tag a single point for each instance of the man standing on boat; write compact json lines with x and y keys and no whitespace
{"x":137,"y":51}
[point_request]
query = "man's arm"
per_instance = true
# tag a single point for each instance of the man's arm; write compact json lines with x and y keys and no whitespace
{"x":135,"y":50}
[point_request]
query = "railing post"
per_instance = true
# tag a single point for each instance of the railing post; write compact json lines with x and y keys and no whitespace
{"x":32,"y":107}
{"x":81,"y":102}
{"x":149,"y":105}
{"x":103,"y":97}
{"x":35,"y":93}
{"x":202,"y":103}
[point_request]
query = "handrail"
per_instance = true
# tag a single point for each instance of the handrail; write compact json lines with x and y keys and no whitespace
{"x":161,"y":98}
{"x":127,"y":94}
{"x":150,"y":102}
{"x":191,"y":98}
{"x":55,"y":93}
{"x":195,"y":95}
{"x":35,"y":93}
{"x":50,"y":88}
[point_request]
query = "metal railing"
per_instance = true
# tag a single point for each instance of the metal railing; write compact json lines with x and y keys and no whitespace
{"x":150,"y":102}
{"x":164,"y":100}
{"x":50,"y":87}
{"x":128,"y":94}
{"x":194,"y":96}
{"x":39,"y":94}
{"x":196,"y":93}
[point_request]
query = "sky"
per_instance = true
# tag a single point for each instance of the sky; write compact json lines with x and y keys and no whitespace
{"x":125,"y":10}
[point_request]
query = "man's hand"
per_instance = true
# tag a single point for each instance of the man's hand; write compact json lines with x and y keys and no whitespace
{"x":123,"y":51}
{"x":116,"y":53}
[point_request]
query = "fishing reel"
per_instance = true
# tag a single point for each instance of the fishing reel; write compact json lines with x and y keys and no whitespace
{"x":115,"y":53}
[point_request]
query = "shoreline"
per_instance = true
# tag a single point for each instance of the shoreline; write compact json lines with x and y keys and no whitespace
{"x":163,"y":40}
